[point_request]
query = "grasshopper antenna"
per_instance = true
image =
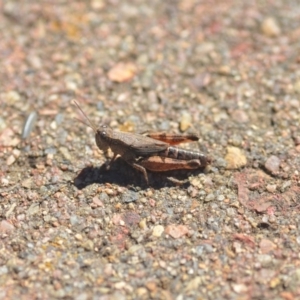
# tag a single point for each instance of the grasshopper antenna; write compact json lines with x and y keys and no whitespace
{"x":89,"y":124}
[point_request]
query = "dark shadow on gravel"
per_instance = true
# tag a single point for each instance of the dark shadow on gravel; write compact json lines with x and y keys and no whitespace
{"x":122,"y":174}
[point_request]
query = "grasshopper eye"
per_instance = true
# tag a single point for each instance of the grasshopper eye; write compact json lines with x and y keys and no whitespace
{"x":103,"y":131}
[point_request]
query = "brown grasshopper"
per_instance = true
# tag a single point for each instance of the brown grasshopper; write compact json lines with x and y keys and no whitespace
{"x":154,"y":152}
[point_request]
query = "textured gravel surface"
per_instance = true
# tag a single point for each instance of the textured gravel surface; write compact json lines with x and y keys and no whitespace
{"x":228,"y":70}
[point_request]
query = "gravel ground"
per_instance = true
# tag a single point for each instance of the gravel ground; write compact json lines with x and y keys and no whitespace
{"x":228,"y":70}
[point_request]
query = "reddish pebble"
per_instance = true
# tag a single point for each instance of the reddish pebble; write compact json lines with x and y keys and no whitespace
{"x":266,"y":246}
{"x":272,"y":164}
{"x":240,"y":116}
{"x":177,"y":231}
{"x":98,"y":202}
{"x":152,"y":202}
{"x":6,"y":226}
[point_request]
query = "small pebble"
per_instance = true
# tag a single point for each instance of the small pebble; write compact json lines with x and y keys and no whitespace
{"x":275,"y":282}
{"x":285,"y":185}
{"x":271,"y":188}
{"x":88,"y":245}
{"x":177,"y":231}
{"x":74,"y":220}
{"x":240,"y":116}
{"x":209,"y":197}
{"x":97,"y":202}
{"x":266,"y":260}
{"x":220,"y":163}
{"x":158,"y":230}
{"x":122,"y":72}
{"x":97,"y":5}
{"x":29,"y":125}
{"x":71,"y":85}
{"x":4,"y":181}
{"x":2,"y":124}
{"x":164,"y":125}
{"x":185,"y":121}
{"x":6,"y":226}
{"x":65,"y":152}
{"x":130,"y":196}
{"x":272,"y":164}
{"x":3,"y":270}
{"x":297,"y":140}
{"x":235,"y":158}
{"x":143,"y":224}
{"x":239,"y":288}
{"x":12,"y":97}
{"x":266,"y":246}
{"x":78,"y":237}
{"x":103,"y":197}
{"x":225,"y":70}
{"x":221,"y":198}
{"x":10,"y":160}
{"x":59,"y":118}
{"x":82,"y":296}
{"x":33,"y":209}
{"x":16,"y":153}
{"x":270,"y":27}
{"x":194,"y":284}
{"x":27,"y":183}
{"x":50,"y":151}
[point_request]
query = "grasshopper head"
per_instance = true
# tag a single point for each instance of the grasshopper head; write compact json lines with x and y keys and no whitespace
{"x":102,"y":136}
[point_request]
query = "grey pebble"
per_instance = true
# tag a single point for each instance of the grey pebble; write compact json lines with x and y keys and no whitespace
{"x":33,"y":209}
{"x":29,"y":124}
{"x":285,"y":185}
{"x":164,"y":125}
{"x":82,"y":296}
{"x":50,"y":151}
{"x":221,"y":198}
{"x":100,"y":106}
{"x":74,"y":220}
{"x":103,"y":197}
{"x":130,"y":197}
{"x":3,"y":270}
{"x":209,"y":197}
{"x":59,"y":118}
{"x":220,"y":163}
{"x":2,"y":124}
{"x":266,"y":260}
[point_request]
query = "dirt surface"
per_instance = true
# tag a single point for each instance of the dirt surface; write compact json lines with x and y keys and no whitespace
{"x":228,"y":70}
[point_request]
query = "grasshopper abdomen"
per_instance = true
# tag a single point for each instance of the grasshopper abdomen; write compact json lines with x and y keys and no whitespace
{"x":182,"y":154}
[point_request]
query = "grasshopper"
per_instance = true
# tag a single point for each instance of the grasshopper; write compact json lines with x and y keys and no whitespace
{"x":154,"y":152}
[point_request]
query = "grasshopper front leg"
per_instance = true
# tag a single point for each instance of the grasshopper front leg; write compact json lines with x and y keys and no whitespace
{"x":109,"y":161}
{"x":130,"y":158}
{"x":141,"y":169}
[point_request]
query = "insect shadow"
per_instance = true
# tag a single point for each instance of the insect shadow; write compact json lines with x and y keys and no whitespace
{"x":121,"y":175}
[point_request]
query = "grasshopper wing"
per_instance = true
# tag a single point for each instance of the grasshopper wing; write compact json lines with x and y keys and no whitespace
{"x":173,"y":138}
{"x":144,"y":146}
